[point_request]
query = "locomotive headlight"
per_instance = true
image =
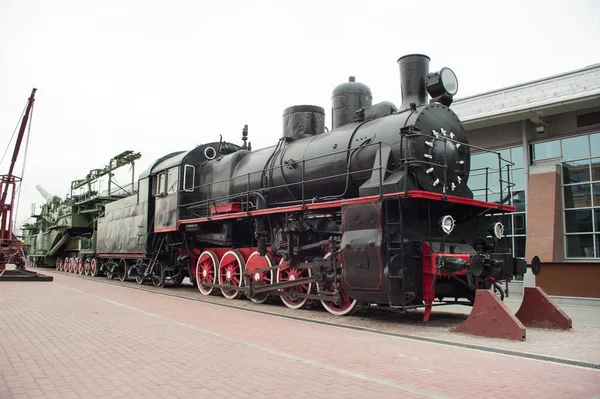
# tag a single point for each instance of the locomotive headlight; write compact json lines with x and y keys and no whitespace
{"x":449,"y":81}
{"x":447,"y":224}
{"x":442,"y":83}
{"x":498,"y":229}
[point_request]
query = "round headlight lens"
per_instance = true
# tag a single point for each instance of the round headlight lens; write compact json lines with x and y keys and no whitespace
{"x":449,"y":81}
{"x":498,"y":230}
{"x":447,"y":223}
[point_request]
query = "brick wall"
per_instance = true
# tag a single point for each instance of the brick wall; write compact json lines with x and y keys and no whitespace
{"x":544,"y":215}
{"x":570,"y":279}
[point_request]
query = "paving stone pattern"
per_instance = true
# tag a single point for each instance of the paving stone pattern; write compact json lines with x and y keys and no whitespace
{"x":75,"y":338}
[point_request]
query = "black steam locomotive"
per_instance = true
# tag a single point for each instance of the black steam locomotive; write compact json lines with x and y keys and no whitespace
{"x":375,"y":211}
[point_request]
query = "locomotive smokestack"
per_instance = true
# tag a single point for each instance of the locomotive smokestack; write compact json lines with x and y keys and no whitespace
{"x":413,"y":71}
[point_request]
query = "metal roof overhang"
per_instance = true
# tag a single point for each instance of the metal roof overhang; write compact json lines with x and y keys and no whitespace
{"x":534,"y":112}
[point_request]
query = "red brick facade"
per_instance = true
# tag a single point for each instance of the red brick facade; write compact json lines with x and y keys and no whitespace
{"x":544,"y":215}
{"x":545,"y":238}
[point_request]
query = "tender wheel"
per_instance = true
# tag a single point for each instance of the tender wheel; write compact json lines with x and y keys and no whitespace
{"x":255,"y":262}
{"x":110,"y":269}
{"x":86,"y":267}
{"x":231,"y":270}
{"x":140,"y":271}
{"x":122,"y":270}
{"x":347,"y":305}
{"x":158,"y":275}
{"x":206,"y":271}
{"x":93,"y":268}
{"x":288,"y":273}
{"x":80,"y":266}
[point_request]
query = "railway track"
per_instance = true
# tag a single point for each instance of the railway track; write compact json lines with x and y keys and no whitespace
{"x":375,"y":321}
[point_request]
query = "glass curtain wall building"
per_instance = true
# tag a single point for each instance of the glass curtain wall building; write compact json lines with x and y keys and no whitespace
{"x":484,"y":167}
{"x":579,"y":157}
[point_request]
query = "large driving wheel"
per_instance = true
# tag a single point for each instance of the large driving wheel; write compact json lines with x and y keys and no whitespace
{"x":231,"y":271}
{"x":140,"y":271}
{"x":256,"y":262}
{"x":288,"y":273}
{"x":80,"y":266}
{"x":347,"y":305}
{"x":86,"y":267}
{"x":206,"y":271}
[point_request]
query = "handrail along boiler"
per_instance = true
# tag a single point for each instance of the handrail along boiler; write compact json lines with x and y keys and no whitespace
{"x":375,"y":211}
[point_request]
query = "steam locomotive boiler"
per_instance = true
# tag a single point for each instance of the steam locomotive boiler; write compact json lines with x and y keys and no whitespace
{"x":376,"y":211}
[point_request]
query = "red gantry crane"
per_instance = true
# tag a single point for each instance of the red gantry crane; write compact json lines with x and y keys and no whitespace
{"x":11,"y":249}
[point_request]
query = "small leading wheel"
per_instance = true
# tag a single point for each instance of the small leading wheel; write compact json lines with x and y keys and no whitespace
{"x":206,"y":271}
{"x":256,"y":262}
{"x":231,"y":271}
{"x":289,"y":273}
{"x":93,"y":268}
{"x":140,"y":270}
{"x":122,"y":270}
{"x":158,"y":275}
{"x":86,"y":267}
{"x":347,"y":305}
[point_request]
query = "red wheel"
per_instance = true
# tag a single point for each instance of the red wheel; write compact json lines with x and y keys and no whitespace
{"x":71,"y":265}
{"x":347,"y":305}
{"x":93,"y":268}
{"x":255,"y":262}
{"x":80,"y":266}
{"x":61,"y":265}
{"x":231,"y":271}
{"x":288,"y":273}
{"x":206,"y":271}
{"x":86,"y":267}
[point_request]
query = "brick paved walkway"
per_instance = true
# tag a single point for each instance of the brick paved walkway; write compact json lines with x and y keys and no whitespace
{"x":75,"y":338}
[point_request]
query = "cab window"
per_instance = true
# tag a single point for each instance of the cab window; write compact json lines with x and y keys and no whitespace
{"x":172,"y":180}
{"x":188,"y":178}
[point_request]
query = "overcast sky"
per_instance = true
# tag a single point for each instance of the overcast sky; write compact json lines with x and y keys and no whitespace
{"x":157,"y":77}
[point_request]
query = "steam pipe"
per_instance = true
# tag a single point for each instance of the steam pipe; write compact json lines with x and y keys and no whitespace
{"x":413,"y":71}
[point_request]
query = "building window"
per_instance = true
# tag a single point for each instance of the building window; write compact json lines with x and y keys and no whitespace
{"x":580,"y":161}
{"x":514,"y":224}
